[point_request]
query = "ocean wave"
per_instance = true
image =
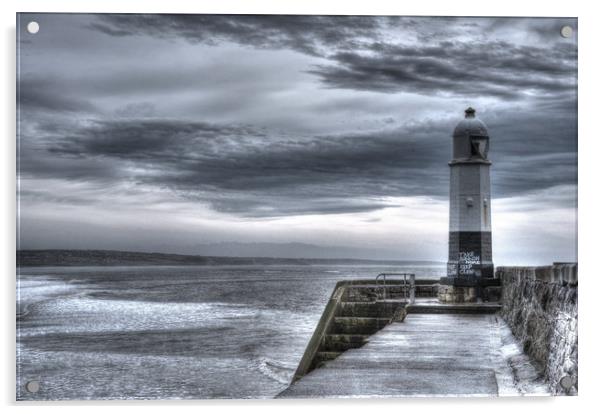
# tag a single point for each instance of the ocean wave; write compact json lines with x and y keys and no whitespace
{"x":32,"y":293}
{"x":278,"y":371}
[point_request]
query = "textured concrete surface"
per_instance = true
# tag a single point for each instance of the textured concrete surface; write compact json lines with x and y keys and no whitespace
{"x":428,"y":355}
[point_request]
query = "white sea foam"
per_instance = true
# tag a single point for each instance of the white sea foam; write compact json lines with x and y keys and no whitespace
{"x":80,"y":313}
{"x":39,"y":290}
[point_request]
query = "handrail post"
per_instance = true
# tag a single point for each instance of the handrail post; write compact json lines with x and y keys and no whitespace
{"x":409,"y":291}
{"x":384,"y":276}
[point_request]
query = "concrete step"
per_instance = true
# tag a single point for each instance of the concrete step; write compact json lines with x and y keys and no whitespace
{"x":324,"y":356}
{"x":342,"y":346}
{"x":343,"y":342}
{"x":357,"y":325}
{"x":369,"y":309}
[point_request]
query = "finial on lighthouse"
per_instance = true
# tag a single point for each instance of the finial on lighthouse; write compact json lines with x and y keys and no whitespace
{"x":469,"y":112}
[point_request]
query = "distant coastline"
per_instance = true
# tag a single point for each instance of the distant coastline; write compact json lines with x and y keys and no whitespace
{"x":60,"y":257}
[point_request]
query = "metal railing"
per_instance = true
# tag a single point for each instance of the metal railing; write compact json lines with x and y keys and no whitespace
{"x":407,"y":293}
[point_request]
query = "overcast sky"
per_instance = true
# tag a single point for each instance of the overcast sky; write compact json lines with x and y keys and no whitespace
{"x":170,"y":132}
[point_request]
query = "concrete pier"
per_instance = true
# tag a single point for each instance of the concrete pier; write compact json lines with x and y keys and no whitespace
{"x":372,"y":341}
{"x":428,"y":354}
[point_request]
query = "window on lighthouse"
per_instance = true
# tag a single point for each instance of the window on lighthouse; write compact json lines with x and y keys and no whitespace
{"x":479,"y":146}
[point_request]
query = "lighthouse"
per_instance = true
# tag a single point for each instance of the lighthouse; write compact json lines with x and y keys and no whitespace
{"x":470,"y":260}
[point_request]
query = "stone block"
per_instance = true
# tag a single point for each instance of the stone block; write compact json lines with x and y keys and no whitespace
{"x":493,"y":293}
{"x":544,"y":273}
{"x":456,"y":294}
{"x":557,"y":274}
{"x":569,"y":274}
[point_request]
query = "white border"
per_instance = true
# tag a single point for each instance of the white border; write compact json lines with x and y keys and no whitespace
{"x":589,"y":192}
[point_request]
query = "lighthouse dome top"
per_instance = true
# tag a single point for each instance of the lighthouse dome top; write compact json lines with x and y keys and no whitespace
{"x":471,"y":125}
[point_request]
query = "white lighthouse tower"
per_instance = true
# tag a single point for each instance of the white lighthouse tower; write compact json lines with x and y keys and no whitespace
{"x":470,"y":261}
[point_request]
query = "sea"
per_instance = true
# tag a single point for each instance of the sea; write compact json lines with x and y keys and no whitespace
{"x":172,"y":332}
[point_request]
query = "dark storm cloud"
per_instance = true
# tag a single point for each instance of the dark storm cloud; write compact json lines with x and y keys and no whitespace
{"x":533,"y":149}
{"x":37,"y":93}
{"x":238,"y":169}
{"x":244,"y":170}
{"x":362,"y":58}
{"x":453,"y":68}
{"x":152,"y":139}
{"x":306,"y":34}
{"x":316,"y":34}
{"x":253,"y":171}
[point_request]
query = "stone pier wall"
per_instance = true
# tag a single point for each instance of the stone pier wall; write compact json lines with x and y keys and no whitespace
{"x":540,"y":306}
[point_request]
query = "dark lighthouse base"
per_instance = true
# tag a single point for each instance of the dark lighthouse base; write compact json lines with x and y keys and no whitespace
{"x":469,"y":269}
{"x":470,"y":254}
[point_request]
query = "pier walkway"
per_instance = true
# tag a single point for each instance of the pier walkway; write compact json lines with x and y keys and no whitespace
{"x":429,"y":354}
